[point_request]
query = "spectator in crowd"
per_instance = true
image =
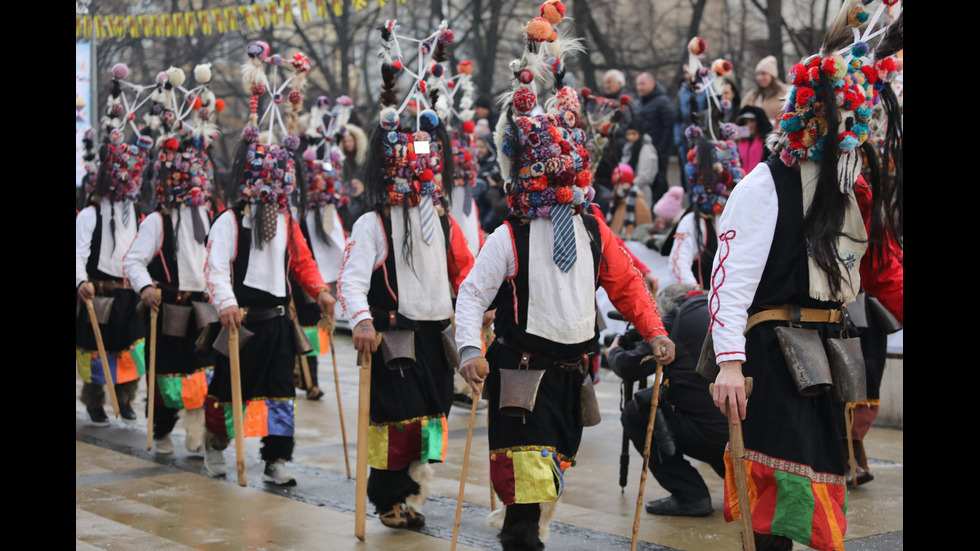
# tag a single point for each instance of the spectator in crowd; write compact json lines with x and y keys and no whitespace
{"x":687,"y":421}
{"x":770,"y":92}
{"x":658,"y":116}
{"x":752,"y":140}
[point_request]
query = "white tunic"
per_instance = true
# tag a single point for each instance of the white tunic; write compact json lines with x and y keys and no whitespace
{"x":191,"y":255}
{"x":111,"y":251}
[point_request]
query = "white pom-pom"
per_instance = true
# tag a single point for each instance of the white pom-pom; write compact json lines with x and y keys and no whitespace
{"x":176,"y":76}
{"x":202,"y":73}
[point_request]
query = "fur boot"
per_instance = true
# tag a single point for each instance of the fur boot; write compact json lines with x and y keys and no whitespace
{"x":422,"y":474}
{"x":93,"y":396}
{"x":548,"y":512}
{"x":194,"y":424}
{"x":520,"y":528}
{"x":216,"y":442}
{"x":126,"y":392}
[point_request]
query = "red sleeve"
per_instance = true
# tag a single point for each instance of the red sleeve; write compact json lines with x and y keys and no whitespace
{"x":602,"y":222}
{"x":301,"y":264}
{"x":623,"y":282}
{"x":458,"y":256}
{"x":884,"y":280}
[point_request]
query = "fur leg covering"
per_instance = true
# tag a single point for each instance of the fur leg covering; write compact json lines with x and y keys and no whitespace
{"x":126,"y":392}
{"x":275,"y":448}
{"x":194,"y":424}
{"x":216,"y":442}
{"x":422,"y":474}
{"x":385,"y":489}
{"x":93,"y":396}
{"x":548,"y":512}
{"x":520,"y":528}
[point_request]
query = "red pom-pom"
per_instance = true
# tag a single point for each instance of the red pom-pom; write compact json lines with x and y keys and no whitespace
{"x":624,"y":99}
{"x":804,"y":95}
{"x":396,"y":65}
{"x":869,"y":73}
{"x":539,"y":29}
{"x":716,"y":208}
{"x":586,"y":92}
{"x":553,"y":11}
{"x":196,"y":104}
{"x":171,"y":144}
{"x":465,"y":67}
{"x":583,"y":178}
{"x":469,"y":126}
{"x":524,"y":100}
{"x":798,"y":74}
{"x":525,"y":76}
{"x":219,"y":105}
{"x":564,"y":194}
{"x":426,"y":175}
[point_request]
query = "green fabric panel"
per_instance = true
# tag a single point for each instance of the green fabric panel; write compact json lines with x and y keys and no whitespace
{"x":170,"y":390}
{"x":139,"y":356}
{"x":432,"y":441}
{"x":794,"y":506}
{"x":313,"y":333}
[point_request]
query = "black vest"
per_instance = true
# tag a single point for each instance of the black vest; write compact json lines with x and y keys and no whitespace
{"x":163,"y":266}
{"x":786,"y":277}
{"x":513,"y":296}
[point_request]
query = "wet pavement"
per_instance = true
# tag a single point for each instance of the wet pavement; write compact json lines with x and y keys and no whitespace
{"x":128,"y":498}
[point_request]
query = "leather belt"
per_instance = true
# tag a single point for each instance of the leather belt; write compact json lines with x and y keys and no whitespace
{"x":109,"y":285}
{"x":263,"y":314}
{"x":789,"y":312}
{"x":573,"y":364}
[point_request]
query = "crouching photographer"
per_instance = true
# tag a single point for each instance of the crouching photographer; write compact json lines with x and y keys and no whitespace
{"x":688,"y":423}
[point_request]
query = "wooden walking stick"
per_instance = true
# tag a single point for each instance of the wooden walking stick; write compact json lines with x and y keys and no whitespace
{"x":481,"y":370}
{"x":152,"y":378}
{"x":646,"y":452}
{"x":236,"y":405}
{"x":849,"y":413}
{"x":736,"y":449}
{"x":303,"y":362}
{"x":340,"y":407}
{"x":363,"y":425}
{"x":104,"y":358}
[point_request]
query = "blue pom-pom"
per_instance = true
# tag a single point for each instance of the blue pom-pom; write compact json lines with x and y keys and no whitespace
{"x":544,"y":453}
{"x":437,"y":70}
{"x":389,"y":119}
{"x":428,"y":120}
{"x":859,"y":49}
{"x":507,"y":148}
{"x":145,"y":142}
{"x":290,"y":142}
{"x":792,"y":124}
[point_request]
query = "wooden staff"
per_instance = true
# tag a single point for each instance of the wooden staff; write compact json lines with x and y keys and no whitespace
{"x":646,"y":453}
{"x":340,"y":407}
{"x":152,"y":379}
{"x":736,"y":449}
{"x":102,"y":355}
{"x":363,"y":425}
{"x":236,"y":405}
{"x":303,"y":362}
{"x":849,"y":412}
{"x":481,"y":370}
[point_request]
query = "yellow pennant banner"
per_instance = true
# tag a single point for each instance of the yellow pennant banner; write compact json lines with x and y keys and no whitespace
{"x":217,"y":20}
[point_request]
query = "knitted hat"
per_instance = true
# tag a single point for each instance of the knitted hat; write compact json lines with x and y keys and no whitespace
{"x":768,"y":65}
{"x":623,"y":174}
{"x":669,"y":205}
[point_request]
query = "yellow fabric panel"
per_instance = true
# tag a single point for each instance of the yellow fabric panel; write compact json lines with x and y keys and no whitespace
{"x":378,"y":447}
{"x":534,"y":478}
